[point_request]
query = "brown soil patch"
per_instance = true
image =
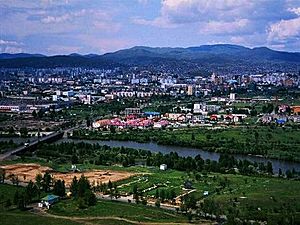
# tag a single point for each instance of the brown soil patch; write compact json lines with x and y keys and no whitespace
{"x":27,"y":172}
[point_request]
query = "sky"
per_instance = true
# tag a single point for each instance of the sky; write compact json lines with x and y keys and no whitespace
{"x":98,"y":26}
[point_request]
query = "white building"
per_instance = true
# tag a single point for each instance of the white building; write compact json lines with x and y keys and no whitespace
{"x":163,"y":167}
{"x":232,"y":96}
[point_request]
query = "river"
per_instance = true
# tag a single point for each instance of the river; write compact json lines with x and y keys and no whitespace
{"x":186,"y":151}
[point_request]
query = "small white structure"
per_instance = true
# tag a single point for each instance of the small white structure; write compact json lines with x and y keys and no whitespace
{"x":232,"y":96}
{"x":163,"y":167}
{"x":205,"y":193}
{"x":74,"y":168}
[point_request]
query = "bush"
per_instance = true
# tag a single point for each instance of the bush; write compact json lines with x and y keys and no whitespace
{"x":81,"y":203}
{"x":157,"y":203}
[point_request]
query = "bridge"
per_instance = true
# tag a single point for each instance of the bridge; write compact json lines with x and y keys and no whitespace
{"x":46,"y":139}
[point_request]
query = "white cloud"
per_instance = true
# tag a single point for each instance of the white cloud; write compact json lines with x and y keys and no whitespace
{"x":157,"y":22}
{"x":107,"y":26}
{"x":10,"y":46}
{"x":295,"y":10}
{"x":62,"y":18}
{"x":221,"y":27}
{"x":284,"y":29}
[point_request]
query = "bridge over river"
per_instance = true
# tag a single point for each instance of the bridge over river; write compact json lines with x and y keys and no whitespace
{"x":28,"y":146}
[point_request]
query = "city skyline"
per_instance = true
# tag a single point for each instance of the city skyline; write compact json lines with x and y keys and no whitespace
{"x":64,"y":27}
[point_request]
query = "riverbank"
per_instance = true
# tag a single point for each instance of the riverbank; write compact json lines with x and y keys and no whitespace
{"x":185,"y":152}
{"x":273,"y":143}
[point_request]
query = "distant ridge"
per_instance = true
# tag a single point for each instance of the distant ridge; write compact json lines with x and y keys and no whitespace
{"x":19,"y":55}
{"x":141,"y":55}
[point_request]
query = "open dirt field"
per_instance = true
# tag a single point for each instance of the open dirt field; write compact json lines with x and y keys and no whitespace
{"x":27,"y":172}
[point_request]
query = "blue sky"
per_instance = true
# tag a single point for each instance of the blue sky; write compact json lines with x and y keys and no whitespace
{"x":98,"y":26}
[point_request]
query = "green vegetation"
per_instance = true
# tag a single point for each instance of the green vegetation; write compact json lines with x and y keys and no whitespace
{"x":8,"y":192}
{"x":273,"y":142}
{"x":5,"y":145}
{"x":96,"y":154}
{"x":117,"y":209}
{"x":26,"y":218}
{"x":274,"y":200}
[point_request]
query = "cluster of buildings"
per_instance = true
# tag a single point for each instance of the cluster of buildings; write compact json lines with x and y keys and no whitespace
{"x":26,"y":90}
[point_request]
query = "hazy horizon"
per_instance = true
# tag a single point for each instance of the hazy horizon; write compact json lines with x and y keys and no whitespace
{"x":92,"y":53}
{"x":53,"y":27}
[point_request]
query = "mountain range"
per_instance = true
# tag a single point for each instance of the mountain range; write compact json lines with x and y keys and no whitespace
{"x":140,"y":55}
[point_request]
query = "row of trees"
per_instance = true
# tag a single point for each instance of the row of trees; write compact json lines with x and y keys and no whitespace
{"x":105,"y":155}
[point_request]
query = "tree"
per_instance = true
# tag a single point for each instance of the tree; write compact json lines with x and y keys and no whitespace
{"x":34,"y":114}
{"x":193,"y":136}
{"x":190,"y":201}
{"x":269,"y":167}
{"x":15,"y":179}
{"x":88,"y":122}
{"x":157,"y":203}
{"x":135,"y":193}
{"x":21,"y":204}
{"x":74,"y":187}
{"x":23,"y":132}
{"x":81,"y":203}
{"x":109,"y":185}
{"x":8,"y":203}
{"x":11,"y":130}
{"x":189,"y":216}
{"x":288,"y":174}
{"x":83,"y":186}
{"x":40,"y":113}
{"x":162,"y":195}
{"x":90,"y":198}
{"x":144,"y":201}
{"x":38,"y":183}
{"x":280,"y":172}
{"x":156,"y":194}
{"x":112,"y":129}
{"x":2,"y":175}
{"x":31,"y":191}
{"x":16,"y":198}
{"x":46,"y":182}
{"x":59,"y":188}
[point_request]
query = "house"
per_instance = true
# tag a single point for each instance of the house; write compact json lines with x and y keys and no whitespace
{"x":48,"y":201}
{"x":205,"y":193}
{"x":151,"y":115}
{"x":296,"y":110}
{"x":163,"y":167}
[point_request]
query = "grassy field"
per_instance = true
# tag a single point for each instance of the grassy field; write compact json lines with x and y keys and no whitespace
{"x":26,"y":218}
{"x":247,"y":197}
{"x":117,"y":209}
{"x":250,"y":197}
{"x":66,"y":212}
{"x":8,"y":191}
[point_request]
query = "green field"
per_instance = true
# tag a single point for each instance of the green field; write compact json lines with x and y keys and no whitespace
{"x":67,"y":213}
{"x":26,"y":218}
{"x":275,"y":200}
{"x":117,"y":209}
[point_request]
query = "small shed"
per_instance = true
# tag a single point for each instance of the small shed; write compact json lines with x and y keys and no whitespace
{"x":50,"y":199}
{"x":163,"y":167}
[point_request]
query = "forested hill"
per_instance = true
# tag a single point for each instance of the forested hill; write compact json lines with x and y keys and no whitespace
{"x":221,"y":54}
